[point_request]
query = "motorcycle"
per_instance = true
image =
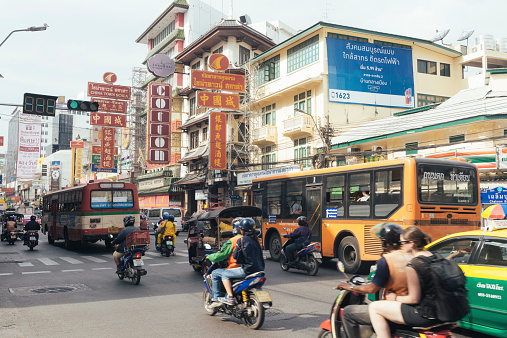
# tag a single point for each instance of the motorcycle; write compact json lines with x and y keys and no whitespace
{"x":131,"y":265}
{"x":12,"y":236}
{"x":251,"y":300}
{"x":308,"y":258}
{"x":31,"y":239}
{"x":167,"y":246}
{"x":332,"y":327}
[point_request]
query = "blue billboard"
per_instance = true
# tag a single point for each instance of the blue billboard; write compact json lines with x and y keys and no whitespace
{"x":96,"y":168}
{"x":495,"y":195}
{"x":370,"y":74}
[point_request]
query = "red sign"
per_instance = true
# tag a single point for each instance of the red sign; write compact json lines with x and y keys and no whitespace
{"x":218,"y":139}
{"x":9,"y":190}
{"x":218,"y":81}
{"x":217,"y":100}
{"x":109,"y":120}
{"x":1,"y":141}
{"x":109,"y":77}
{"x":107,"y":148}
{"x":218,"y":62}
{"x":108,"y":91}
{"x":76,"y":144}
{"x":159,"y":123}
{"x":96,"y":150}
{"x":111,"y":106}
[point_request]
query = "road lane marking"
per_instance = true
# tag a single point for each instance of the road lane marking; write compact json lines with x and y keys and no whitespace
{"x":71,"y":260}
{"x":156,"y":264}
{"x":102,"y":268}
{"x":32,"y":272}
{"x":181,"y":262}
{"x":152,"y":253}
{"x":75,"y":270}
{"x":6,"y":274}
{"x":25,"y":264}
{"x":47,"y":261}
{"x":94,"y":259}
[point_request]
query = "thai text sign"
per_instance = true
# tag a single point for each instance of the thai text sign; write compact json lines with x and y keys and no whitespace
{"x":218,"y":139}
{"x":111,"y":106}
{"x":159,"y":122}
{"x":107,"y":148}
{"x":495,"y":195}
{"x":29,"y":141}
{"x":108,"y":91}
{"x":217,"y":100}
{"x":370,"y":74}
{"x":109,"y":120}
{"x":246,"y":178}
{"x":218,"y":81}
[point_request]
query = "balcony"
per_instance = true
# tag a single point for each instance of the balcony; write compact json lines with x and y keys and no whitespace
{"x":264,"y":136}
{"x":298,"y":126}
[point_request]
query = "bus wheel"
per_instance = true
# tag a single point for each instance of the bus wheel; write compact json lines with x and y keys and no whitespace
{"x":348,"y":254}
{"x":109,"y":243}
{"x":275,"y":247}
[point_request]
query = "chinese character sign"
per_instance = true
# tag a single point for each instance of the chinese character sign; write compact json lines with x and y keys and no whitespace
{"x":217,"y":100}
{"x":159,"y":122}
{"x":218,"y":141}
{"x":29,"y":142}
{"x":107,"y":148}
{"x":108,"y":120}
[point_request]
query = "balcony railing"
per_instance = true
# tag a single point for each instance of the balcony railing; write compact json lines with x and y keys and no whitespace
{"x":298,"y":126}
{"x":264,"y":135}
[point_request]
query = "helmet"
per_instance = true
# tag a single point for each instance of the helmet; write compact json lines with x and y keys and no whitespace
{"x":247,"y":225}
{"x":33,"y":218}
{"x":170,"y":218}
{"x":235,"y":223}
{"x":166,"y":215}
{"x":302,"y":220}
{"x":143,"y":216}
{"x":389,"y":233}
{"x":128,"y":220}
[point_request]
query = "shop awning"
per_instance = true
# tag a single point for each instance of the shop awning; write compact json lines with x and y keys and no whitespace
{"x":191,"y":179}
{"x":195,"y":119}
{"x":201,"y":151}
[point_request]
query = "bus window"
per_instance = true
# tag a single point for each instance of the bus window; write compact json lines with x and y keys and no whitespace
{"x":335,"y":187}
{"x":294,"y":200}
{"x":387,"y":192}
{"x":100,"y":199}
{"x":274,"y":194}
{"x":124,"y":199}
{"x":257,"y":202}
{"x":359,"y":195}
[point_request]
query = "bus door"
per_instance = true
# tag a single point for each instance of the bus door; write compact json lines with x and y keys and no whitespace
{"x":54,"y":212}
{"x":313,"y":211}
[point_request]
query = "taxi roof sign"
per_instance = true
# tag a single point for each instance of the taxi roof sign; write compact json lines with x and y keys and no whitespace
{"x":496,"y":224}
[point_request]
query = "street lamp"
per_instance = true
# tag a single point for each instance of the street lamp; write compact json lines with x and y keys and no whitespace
{"x":29,"y":29}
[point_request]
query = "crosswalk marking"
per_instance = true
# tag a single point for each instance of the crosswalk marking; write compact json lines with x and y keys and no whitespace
{"x":47,"y":261}
{"x":102,"y":268}
{"x":75,"y":270}
{"x":181,"y":262}
{"x":33,"y":272}
{"x":157,"y":264}
{"x":6,"y":274}
{"x":71,"y":260}
{"x":152,"y":253}
{"x":24,"y":264}
{"x":94,"y":259}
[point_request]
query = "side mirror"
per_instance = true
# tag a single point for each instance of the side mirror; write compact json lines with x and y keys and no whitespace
{"x":207,"y":246}
{"x":340,"y":266}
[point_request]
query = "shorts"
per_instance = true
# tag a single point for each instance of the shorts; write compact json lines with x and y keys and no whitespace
{"x":412,"y":317}
{"x":118,"y":255}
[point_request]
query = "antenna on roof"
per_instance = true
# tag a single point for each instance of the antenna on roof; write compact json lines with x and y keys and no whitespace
{"x":465,"y":36}
{"x":440,"y":36}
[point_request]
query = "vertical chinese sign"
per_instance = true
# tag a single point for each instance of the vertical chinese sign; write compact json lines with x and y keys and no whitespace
{"x":29,"y":142}
{"x":159,"y":123}
{"x":107,"y":149}
{"x":77,"y":160}
{"x":218,"y":141}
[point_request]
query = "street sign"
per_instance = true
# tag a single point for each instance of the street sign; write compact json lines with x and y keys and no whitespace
{"x":234,"y":197}
{"x":96,"y":159}
{"x":108,"y":91}
{"x":96,"y":168}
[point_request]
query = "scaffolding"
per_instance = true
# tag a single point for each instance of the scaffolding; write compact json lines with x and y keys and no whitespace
{"x":138,"y":118}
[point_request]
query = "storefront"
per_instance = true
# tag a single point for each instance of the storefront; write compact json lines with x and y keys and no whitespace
{"x":157,"y":189}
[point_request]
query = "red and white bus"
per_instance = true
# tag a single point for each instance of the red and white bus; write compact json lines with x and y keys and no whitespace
{"x":89,"y":213}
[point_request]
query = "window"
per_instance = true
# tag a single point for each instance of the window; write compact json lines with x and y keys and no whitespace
{"x":101,"y":199}
{"x":303,"y":54}
{"x":346,"y":37}
{"x":494,"y":252}
{"x":385,"y":43}
{"x":425,"y":99}
{"x":387,"y":192}
{"x":359,"y":195}
{"x":244,"y":55}
{"x":204,"y":134}
{"x":412,"y":145}
{"x":218,"y":51}
{"x":459,"y":250}
{"x":269,"y":70}
{"x":196,"y":65}
{"x":457,"y":138}
{"x":268,"y":157}
{"x":170,"y":52}
{"x":445,"y":69}
{"x":335,"y":188}
{"x":269,"y":115}
{"x":193,"y":106}
{"x":427,"y":67}
{"x":162,"y":35}
{"x":303,"y":101}
{"x":294,"y":206}
{"x":194,"y":139}
{"x":274,"y":198}
{"x":302,"y":151}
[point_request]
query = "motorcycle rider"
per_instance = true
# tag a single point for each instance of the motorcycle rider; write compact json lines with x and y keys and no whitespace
{"x":390,"y":275}
{"x":166,"y":228}
{"x":144,"y":222}
{"x":120,"y":241}
{"x":225,"y":253}
{"x":32,"y":224}
{"x":300,"y":238}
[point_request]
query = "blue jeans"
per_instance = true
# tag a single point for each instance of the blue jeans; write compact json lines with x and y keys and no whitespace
{"x":291,"y":249}
{"x":233,"y":273}
{"x":216,"y":278}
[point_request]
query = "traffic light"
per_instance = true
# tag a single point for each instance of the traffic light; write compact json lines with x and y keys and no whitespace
{"x":82,"y":105}
{"x":37,"y":104}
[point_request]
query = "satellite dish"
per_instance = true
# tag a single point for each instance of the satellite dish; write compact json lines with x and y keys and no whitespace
{"x":245,"y":19}
{"x":465,"y":35}
{"x":440,"y":36}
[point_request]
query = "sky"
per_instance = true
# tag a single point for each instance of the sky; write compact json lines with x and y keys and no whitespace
{"x":85,"y":39}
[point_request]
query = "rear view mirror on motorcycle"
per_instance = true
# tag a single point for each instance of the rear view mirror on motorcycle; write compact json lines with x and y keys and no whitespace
{"x":340,"y":266}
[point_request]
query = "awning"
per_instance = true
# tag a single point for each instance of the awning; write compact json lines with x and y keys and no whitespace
{"x":195,"y":119}
{"x":191,"y":179}
{"x":201,"y":151}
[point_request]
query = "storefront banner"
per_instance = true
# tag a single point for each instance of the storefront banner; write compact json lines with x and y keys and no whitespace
{"x":29,"y":141}
{"x":217,"y":81}
{"x":159,"y":123}
{"x":217,"y":100}
{"x":218,"y":141}
{"x":151,"y":184}
{"x":200,"y":195}
{"x":246,"y":178}
{"x":107,"y":148}
{"x":370,"y":74}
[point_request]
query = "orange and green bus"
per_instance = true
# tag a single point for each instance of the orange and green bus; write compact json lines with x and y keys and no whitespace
{"x":89,"y":213}
{"x":343,"y":203}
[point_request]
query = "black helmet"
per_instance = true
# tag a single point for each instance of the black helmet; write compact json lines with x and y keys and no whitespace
{"x":247,"y":225}
{"x":33,"y":218}
{"x":389,"y":233}
{"x":235,"y":223}
{"x":128,"y":220}
{"x":302,"y":221}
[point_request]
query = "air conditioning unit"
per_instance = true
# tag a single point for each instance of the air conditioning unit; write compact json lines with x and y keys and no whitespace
{"x":353,"y":150}
{"x":377,"y":149}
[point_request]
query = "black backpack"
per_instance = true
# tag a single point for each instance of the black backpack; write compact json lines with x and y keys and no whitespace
{"x":450,"y":291}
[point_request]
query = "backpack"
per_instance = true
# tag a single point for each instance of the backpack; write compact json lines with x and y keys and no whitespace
{"x":450,"y":291}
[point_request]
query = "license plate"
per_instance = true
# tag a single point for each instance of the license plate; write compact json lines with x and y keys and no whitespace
{"x":138,"y":262}
{"x":317,"y":255}
{"x":112,"y":230}
{"x":169,"y":242}
{"x":263,"y":296}
{"x":32,"y":238}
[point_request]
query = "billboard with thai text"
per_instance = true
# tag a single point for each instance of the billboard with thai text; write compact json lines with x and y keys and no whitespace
{"x":29,"y":141}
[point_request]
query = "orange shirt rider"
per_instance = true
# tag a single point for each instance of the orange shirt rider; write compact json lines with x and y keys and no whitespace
{"x":391,"y":273}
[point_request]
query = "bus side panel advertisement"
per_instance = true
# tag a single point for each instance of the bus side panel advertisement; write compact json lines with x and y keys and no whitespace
{"x":370,"y":74}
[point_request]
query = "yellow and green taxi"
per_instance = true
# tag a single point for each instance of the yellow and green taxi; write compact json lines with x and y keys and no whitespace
{"x":482,"y":255}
